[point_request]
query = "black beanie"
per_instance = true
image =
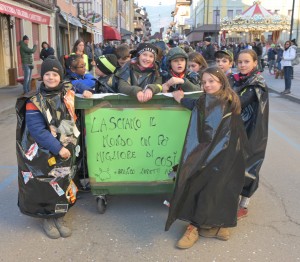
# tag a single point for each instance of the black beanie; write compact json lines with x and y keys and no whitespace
{"x":107,"y":64}
{"x":52,"y":64}
{"x":142,"y":47}
{"x":207,"y":39}
{"x":25,"y":37}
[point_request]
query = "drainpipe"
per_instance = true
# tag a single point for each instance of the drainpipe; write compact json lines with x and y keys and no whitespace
{"x":57,"y":34}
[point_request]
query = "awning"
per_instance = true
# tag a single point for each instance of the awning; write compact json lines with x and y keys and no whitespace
{"x":125,"y":33}
{"x":195,"y":36}
{"x":22,"y":13}
{"x":111,"y":33}
{"x":72,"y":19}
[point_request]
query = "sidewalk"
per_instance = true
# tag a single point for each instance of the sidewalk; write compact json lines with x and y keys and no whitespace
{"x":9,"y":94}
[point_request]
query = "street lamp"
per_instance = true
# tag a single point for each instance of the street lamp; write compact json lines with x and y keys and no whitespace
{"x":292,"y":20}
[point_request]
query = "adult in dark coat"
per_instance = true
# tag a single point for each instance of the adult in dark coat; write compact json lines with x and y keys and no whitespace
{"x":46,"y":51}
{"x":209,"y":52}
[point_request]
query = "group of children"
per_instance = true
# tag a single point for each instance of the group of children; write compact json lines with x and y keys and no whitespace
{"x":232,"y":112}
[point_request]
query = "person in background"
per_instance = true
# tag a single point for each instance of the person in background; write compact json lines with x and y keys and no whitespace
{"x":224,"y":60}
{"x":251,"y":88}
{"x":123,"y":54}
{"x":288,"y":55}
{"x":257,"y":47}
{"x":295,"y":46}
{"x":209,"y":52}
{"x":46,"y":51}
{"x":177,"y":76}
{"x":79,"y":49}
{"x":264,"y":53}
{"x":210,"y":175}
{"x":272,"y":58}
{"x":27,"y":61}
{"x":279,"y":70}
{"x":46,"y":150}
{"x":98,"y":51}
{"x":196,"y":62}
{"x":140,"y":77}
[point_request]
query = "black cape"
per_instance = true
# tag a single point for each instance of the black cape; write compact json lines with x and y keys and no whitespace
{"x":45,"y":188}
{"x":211,"y":171}
{"x":256,"y":119}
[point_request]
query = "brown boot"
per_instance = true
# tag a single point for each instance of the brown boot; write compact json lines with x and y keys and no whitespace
{"x":220,"y":233}
{"x":277,"y":74}
{"x":189,"y":238}
{"x":281,"y":74}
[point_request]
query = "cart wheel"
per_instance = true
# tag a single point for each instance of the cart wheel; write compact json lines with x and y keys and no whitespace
{"x":101,"y":204}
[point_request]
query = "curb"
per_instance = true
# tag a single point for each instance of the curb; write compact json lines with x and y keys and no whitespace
{"x":289,"y":96}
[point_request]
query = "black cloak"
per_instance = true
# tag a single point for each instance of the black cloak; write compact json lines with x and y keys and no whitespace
{"x":256,"y":119}
{"x":45,"y":180}
{"x":211,"y":170}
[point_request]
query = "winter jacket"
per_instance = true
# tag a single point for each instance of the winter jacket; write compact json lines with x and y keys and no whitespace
{"x":26,"y":53}
{"x":209,"y":54}
{"x":81,"y":82}
{"x":131,"y":79}
{"x":288,"y":56}
{"x":46,"y":52}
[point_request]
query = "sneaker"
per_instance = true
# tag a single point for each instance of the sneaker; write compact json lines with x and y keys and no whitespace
{"x":62,"y":227}
{"x":286,"y":92}
{"x":220,"y":233}
{"x":50,"y":228}
{"x":242,"y":212}
{"x":189,"y":238}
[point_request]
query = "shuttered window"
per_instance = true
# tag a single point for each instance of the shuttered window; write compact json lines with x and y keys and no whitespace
{"x":36,"y":37}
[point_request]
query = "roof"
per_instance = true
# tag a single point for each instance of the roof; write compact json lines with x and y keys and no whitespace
{"x":256,"y":9}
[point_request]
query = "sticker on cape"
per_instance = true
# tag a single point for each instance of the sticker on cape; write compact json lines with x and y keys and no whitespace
{"x":30,"y":154}
{"x":60,"y":171}
{"x":27,"y":176}
{"x":61,"y":208}
{"x":56,"y":187}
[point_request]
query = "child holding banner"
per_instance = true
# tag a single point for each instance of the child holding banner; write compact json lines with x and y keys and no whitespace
{"x":210,"y":176}
{"x":140,"y":77}
{"x":46,"y":150}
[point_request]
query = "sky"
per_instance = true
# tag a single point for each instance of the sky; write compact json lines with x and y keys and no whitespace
{"x":159,"y":12}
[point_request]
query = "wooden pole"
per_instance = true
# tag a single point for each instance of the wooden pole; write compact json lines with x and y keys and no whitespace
{"x":93,"y":52}
{"x":69,"y":37}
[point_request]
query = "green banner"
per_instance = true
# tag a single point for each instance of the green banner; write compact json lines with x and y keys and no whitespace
{"x":134,"y":144}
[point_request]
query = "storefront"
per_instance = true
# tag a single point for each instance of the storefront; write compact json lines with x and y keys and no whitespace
{"x":17,"y":20}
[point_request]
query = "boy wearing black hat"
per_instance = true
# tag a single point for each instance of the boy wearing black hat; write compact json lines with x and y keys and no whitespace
{"x":106,"y":66}
{"x":46,"y":145}
{"x":140,"y":77}
{"x":27,"y":61}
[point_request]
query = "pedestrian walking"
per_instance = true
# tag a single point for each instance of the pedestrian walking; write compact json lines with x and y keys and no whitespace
{"x":27,"y":61}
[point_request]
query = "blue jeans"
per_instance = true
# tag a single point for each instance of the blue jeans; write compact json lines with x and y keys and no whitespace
{"x":27,"y":77}
{"x":288,"y":70}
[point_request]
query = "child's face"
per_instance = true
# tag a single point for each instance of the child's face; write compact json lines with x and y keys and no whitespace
{"x":98,"y":72}
{"x":211,"y":84}
{"x":80,"y":68}
{"x":178,"y":65}
{"x":80,"y":47}
{"x":51,"y":79}
{"x":193,"y":66}
{"x":123,"y":61}
{"x":224,"y":64}
{"x":246,"y":63}
{"x":146,"y":59}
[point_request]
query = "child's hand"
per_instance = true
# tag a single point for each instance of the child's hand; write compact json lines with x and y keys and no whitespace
{"x":178,"y":95}
{"x":147,"y":94}
{"x":175,"y":81}
{"x":93,"y":63}
{"x":140,"y":96}
{"x":165,"y":87}
{"x":87,"y":94}
{"x":64,"y":153}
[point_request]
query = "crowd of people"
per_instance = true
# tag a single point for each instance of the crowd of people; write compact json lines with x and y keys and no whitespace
{"x":226,"y":138}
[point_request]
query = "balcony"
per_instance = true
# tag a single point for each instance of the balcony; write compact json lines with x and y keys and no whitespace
{"x":44,"y":4}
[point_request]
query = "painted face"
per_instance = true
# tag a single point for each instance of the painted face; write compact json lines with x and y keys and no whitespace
{"x":80,"y":68}
{"x":80,"y":47}
{"x":51,"y":79}
{"x":224,"y":64}
{"x":211,"y":83}
{"x":146,"y":59}
{"x":193,"y":66}
{"x":246,"y":63}
{"x":178,"y":65}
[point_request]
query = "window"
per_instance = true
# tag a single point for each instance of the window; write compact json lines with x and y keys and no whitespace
{"x":216,"y":16}
{"x":230,"y":13}
{"x":238,"y":11}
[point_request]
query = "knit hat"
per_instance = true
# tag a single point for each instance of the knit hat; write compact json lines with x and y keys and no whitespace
{"x":25,"y":37}
{"x":207,"y":39}
{"x":142,"y":47}
{"x":226,"y":52}
{"x":176,"y":52}
{"x":107,"y":64}
{"x":52,"y":64}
